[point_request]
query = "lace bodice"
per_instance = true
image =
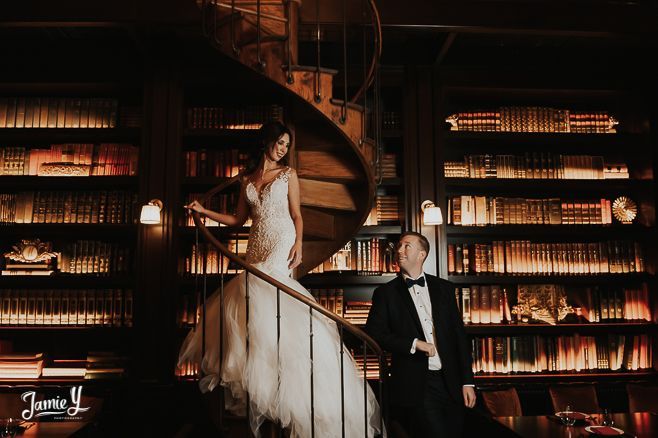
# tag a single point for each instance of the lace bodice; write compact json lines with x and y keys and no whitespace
{"x":272,"y":231}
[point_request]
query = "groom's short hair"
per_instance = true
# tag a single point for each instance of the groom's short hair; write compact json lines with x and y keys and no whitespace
{"x":424,"y":243}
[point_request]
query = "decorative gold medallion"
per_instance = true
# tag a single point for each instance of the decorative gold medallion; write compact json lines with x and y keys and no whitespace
{"x":624,"y":209}
{"x":31,"y":251}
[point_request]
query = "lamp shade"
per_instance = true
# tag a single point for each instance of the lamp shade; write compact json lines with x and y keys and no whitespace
{"x":150,"y":214}
{"x":432,"y":215}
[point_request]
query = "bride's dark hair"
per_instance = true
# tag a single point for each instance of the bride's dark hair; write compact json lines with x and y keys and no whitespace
{"x":267,"y":134}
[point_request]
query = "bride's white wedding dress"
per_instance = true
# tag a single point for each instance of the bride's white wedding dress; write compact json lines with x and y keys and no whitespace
{"x":285,"y":399}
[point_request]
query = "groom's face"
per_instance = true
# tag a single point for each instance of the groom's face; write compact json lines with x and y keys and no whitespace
{"x":410,"y":254}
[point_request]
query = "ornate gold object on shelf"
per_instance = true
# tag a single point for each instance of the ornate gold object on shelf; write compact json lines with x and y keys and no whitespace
{"x":545,"y":303}
{"x":624,"y":209}
{"x":31,"y":251}
{"x":64,"y":169}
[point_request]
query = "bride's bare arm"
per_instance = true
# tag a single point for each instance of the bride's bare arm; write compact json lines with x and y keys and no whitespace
{"x":295,"y":256}
{"x":232,"y":220}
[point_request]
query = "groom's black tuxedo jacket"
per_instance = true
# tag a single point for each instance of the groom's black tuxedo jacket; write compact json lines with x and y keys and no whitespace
{"x":394,"y":323}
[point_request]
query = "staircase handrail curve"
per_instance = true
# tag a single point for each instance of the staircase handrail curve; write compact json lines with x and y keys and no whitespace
{"x":360,"y":334}
{"x":377,"y":53}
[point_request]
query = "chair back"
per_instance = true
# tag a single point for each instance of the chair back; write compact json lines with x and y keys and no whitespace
{"x":642,"y":398}
{"x":581,"y":398}
{"x":502,"y":403}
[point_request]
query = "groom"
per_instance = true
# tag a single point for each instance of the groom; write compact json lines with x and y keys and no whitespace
{"x":415,"y":317}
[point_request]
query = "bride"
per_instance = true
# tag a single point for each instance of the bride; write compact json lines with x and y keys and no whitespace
{"x":277,"y":382}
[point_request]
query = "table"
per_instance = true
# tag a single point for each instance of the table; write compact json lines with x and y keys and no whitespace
{"x":638,"y":424}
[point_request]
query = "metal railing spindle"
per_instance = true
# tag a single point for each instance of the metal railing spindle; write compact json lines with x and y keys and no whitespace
{"x":310,"y":312}
{"x":318,"y":85}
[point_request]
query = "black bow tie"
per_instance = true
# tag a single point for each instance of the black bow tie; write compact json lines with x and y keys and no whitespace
{"x":419,"y":281}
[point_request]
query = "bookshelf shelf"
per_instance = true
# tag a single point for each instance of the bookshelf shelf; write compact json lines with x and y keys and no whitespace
{"x":549,"y":232}
{"x":68,"y":183}
{"x":619,"y":279}
{"x":344,"y":278}
{"x":63,"y":281}
{"x":59,"y":381}
{"x":224,"y":232}
{"x":527,"y":140}
{"x":595,"y":328}
{"x":238,"y":134}
{"x":585,"y":376}
{"x":380,"y":229}
{"x":540,"y":187}
{"x":77,"y":135}
{"x":64,"y":329}
{"x":125,"y":231}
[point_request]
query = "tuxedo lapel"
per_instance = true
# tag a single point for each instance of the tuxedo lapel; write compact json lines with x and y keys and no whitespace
{"x":401,"y":288}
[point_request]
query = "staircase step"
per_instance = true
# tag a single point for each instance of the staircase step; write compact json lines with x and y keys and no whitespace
{"x":351,"y":105}
{"x":326,"y":194}
{"x":319,"y":164}
{"x":263,"y":39}
{"x":318,"y":224}
{"x":311,"y":68}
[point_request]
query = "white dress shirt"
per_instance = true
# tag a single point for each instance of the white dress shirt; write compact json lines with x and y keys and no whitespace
{"x":421,"y":298}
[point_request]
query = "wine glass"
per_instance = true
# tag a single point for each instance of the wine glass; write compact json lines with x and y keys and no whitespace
{"x":607,"y":418}
{"x":9,"y":427}
{"x":567,"y":416}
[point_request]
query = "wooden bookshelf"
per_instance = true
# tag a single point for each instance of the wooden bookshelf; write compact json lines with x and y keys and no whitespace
{"x":629,"y":145}
{"x":119,"y":98}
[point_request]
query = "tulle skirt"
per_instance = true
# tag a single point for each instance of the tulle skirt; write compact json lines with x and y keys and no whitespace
{"x":278,"y":378}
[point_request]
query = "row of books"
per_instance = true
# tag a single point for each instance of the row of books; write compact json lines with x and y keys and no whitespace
{"x":207,"y":259}
{"x":330,"y":299}
{"x":365,"y":256}
{"x":533,"y":119}
{"x":67,"y":307}
{"x":95,"y":257}
{"x":97,"y":365}
{"x":114,"y":159}
{"x":244,"y":117}
{"x":537,"y":354}
{"x":58,"y":112}
{"x":389,"y":165}
{"x":187,"y":369}
{"x":535,"y":165}
{"x":526,"y":257}
{"x":490,"y":304}
{"x":488,"y":210}
{"x":385,"y":211}
{"x":97,"y":207}
{"x":224,"y":202}
{"x":217,"y":163}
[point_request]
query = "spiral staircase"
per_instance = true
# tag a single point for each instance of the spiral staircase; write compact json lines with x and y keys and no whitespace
{"x":335,"y":161}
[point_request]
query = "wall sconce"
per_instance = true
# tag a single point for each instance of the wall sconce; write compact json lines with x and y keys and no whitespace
{"x":151,"y":212}
{"x":431,"y":213}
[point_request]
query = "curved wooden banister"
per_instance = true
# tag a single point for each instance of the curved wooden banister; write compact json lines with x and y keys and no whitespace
{"x":377,"y":53}
{"x":360,"y":334}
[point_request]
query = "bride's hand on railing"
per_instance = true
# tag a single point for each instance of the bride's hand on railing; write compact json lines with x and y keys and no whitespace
{"x":295,"y":256}
{"x":195,"y":206}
